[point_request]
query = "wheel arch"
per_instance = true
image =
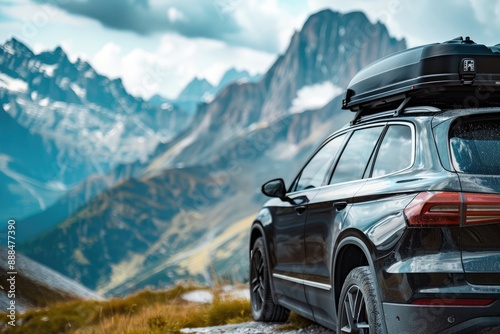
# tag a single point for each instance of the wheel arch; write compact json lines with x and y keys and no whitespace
{"x":353,"y":250}
{"x":258,"y":231}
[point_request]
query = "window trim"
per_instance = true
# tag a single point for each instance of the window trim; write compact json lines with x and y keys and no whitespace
{"x":413,"y":150}
{"x":367,"y":173}
{"x":328,"y":176}
{"x":349,"y":132}
{"x":293,"y":186}
{"x":375,"y":149}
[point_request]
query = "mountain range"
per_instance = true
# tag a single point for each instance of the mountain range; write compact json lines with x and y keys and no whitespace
{"x":76,"y":125}
{"x":185,"y":212}
{"x":62,"y":122}
{"x":200,"y":90}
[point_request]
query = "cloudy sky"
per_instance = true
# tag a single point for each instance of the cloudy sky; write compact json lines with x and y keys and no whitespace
{"x":158,"y":46}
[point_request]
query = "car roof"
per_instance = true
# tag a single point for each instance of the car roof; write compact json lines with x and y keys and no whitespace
{"x":435,"y":115}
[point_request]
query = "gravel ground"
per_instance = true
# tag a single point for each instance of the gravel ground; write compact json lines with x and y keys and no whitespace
{"x":256,"y":328}
{"x":263,"y":328}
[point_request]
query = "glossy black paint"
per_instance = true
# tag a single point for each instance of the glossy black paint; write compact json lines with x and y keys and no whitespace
{"x":288,"y":257}
{"x":316,"y":239}
{"x":410,"y":319}
{"x":423,"y":70}
{"x":480,"y":243}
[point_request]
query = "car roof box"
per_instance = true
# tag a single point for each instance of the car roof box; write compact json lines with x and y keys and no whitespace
{"x":452,"y":68}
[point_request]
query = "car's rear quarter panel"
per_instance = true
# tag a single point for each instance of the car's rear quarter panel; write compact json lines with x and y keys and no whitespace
{"x":377,"y":212}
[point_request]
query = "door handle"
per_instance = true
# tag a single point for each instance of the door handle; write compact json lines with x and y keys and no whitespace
{"x":340,"y":205}
{"x":300,"y":209}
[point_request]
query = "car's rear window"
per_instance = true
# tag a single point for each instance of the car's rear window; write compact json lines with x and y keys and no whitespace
{"x":475,"y":147}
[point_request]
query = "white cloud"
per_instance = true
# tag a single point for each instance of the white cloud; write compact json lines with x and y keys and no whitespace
{"x":38,"y":47}
{"x":267,"y":22}
{"x":314,"y":96}
{"x":174,"y":15}
{"x":487,"y":12}
{"x":107,"y":61}
{"x":175,"y":62}
{"x":30,"y":20}
{"x":69,"y":49}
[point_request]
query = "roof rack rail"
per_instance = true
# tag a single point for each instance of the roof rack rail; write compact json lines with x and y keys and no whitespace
{"x":394,"y":113}
{"x":421,"y":109}
{"x":385,"y":113}
{"x":402,"y":105}
{"x":366,"y":118}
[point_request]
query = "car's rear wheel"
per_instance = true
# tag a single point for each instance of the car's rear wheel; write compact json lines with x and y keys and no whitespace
{"x":359,"y":310}
{"x":263,"y":307}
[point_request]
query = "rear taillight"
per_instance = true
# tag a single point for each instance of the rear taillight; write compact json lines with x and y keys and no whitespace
{"x":434,"y":208}
{"x":482,"y":208}
{"x":447,"y":208}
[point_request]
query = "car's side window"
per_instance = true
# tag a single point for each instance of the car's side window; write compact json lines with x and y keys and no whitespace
{"x":314,"y":172}
{"x":395,"y":152}
{"x":353,"y":161}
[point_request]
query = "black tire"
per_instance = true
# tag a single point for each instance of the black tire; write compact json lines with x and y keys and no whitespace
{"x":263,"y":307}
{"x":359,"y":310}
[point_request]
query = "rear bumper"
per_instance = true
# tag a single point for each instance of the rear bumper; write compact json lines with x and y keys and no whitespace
{"x":406,"y":318}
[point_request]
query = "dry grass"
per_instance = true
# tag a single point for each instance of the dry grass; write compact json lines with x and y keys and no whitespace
{"x":141,"y":313}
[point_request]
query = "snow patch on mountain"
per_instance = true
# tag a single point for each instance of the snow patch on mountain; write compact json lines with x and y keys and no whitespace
{"x":314,"y":96}
{"x":44,"y":102}
{"x":79,"y":91}
{"x":14,"y":85}
{"x":207,"y":97}
{"x":48,"y":69}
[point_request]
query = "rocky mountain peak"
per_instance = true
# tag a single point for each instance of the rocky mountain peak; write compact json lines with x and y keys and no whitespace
{"x":196,"y":88}
{"x":327,"y":52}
{"x":56,"y":56}
{"x":14,"y":46}
{"x":233,"y":75}
{"x":331,"y":47}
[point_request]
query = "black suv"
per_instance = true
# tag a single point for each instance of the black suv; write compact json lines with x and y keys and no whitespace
{"x":393,"y":225}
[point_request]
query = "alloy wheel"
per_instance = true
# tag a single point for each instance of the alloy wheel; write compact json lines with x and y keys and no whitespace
{"x":354,"y":316}
{"x":257,"y":280}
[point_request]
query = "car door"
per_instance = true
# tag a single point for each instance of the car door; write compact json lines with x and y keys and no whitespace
{"x":289,"y":222}
{"x":326,"y":212}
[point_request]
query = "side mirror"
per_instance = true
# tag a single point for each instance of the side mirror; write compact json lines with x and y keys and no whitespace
{"x":275,"y":188}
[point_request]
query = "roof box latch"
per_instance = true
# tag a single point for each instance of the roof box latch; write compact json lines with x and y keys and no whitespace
{"x":348,"y":94}
{"x":467,"y":71}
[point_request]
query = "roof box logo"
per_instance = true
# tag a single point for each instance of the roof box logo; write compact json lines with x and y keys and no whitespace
{"x":468,"y":65}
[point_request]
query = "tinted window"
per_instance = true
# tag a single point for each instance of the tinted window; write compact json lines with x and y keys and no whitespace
{"x":352,"y":163}
{"x":395,"y":152}
{"x":475,"y":147}
{"x":315,"y":171}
